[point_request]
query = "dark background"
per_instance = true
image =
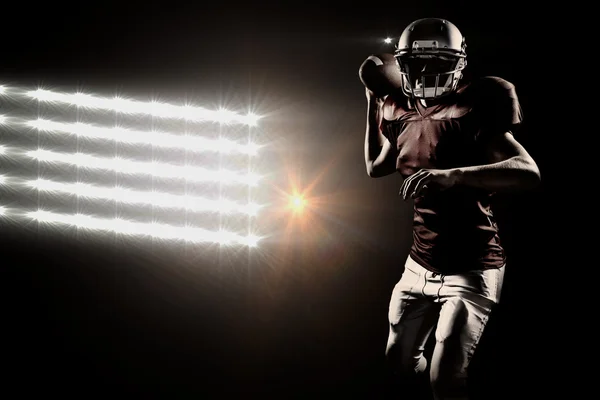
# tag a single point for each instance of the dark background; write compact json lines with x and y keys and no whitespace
{"x":305,"y":314}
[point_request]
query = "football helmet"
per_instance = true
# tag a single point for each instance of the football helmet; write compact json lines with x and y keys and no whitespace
{"x":431,"y":53}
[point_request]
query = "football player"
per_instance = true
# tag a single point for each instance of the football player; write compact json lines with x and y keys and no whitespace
{"x":453,"y":143}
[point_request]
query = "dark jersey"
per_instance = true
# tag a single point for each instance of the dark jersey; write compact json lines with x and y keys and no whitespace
{"x":453,"y":230}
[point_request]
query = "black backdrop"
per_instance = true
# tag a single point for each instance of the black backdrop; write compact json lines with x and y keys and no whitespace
{"x":303,"y":317}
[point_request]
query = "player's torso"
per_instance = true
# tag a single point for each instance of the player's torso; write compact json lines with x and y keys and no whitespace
{"x":440,"y":136}
{"x":454,"y":228}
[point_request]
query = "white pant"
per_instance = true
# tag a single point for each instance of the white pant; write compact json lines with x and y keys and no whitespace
{"x":460,"y":305}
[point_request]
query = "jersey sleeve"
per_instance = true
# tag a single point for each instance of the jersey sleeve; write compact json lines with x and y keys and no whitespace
{"x":498,"y":107}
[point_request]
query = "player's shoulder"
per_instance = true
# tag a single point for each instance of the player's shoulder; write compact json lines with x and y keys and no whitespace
{"x":495,"y":100}
{"x":490,"y":86}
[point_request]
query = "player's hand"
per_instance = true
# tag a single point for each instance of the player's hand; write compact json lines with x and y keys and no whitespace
{"x":427,"y":180}
{"x":371,"y":97}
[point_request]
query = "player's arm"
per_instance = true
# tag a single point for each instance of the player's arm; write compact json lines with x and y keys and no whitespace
{"x":505,"y":164}
{"x":509,"y":167}
{"x":380,"y":159}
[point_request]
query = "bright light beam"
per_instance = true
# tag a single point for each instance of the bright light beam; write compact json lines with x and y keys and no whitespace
{"x":158,"y":139}
{"x":156,"y":169}
{"x":154,"y":108}
{"x":164,"y":200}
{"x":155,"y":230}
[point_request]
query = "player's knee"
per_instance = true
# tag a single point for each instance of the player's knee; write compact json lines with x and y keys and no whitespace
{"x":448,"y":372}
{"x":401,"y":360}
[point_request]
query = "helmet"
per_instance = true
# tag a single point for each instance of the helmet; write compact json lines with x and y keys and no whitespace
{"x":431,"y":54}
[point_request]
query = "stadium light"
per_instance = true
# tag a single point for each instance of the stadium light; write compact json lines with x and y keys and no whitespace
{"x":193,"y":173}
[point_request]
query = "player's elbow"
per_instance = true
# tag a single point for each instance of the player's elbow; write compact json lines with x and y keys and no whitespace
{"x":535,"y":177}
{"x":377,"y":171}
{"x":531,"y":172}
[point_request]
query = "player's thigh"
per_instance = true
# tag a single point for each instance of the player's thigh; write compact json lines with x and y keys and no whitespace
{"x":460,"y":326}
{"x":407,"y":292}
{"x":411,"y":316}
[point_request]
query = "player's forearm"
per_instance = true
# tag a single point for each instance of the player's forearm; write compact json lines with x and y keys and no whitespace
{"x":516,"y":173}
{"x":373,"y":144}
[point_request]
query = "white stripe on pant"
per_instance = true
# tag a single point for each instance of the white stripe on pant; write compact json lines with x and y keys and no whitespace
{"x":459,"y":304}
